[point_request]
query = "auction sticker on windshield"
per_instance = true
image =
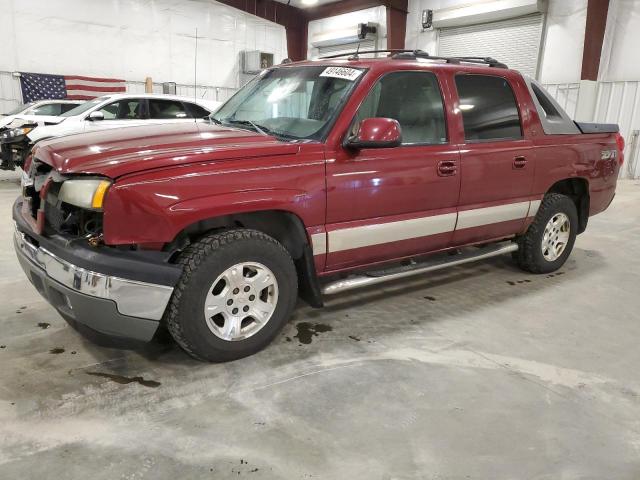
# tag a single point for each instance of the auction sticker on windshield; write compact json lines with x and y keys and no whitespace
{"x":341,"y":72}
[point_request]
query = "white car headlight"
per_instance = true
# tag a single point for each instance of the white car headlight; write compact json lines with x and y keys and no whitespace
{"x":16,"y":132}
{"x":84,"y":193}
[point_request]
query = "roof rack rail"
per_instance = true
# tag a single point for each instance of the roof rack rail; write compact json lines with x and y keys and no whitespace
{"x":410,"y":54}
{"x":492,"y":62}
{"x":354,"y":55}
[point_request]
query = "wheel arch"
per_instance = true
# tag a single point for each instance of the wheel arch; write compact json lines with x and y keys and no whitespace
{"x":576,"y":188}
{"x":285,"y":226}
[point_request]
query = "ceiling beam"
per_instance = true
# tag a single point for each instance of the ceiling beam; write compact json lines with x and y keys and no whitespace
{"x":291,"y":18}
{"x":275,"y":12}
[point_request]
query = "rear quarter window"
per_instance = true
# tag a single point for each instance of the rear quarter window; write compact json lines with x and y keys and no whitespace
{"x":167,"y":109}
{"x":488,"y":107}
{"x":196,"y":111}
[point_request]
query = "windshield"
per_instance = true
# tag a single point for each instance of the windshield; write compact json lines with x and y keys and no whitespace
{"x":84,"y":107}
{"x":290,"y":102}
{"x":20,"y":108}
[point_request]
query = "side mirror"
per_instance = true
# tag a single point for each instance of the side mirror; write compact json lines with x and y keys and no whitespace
{"x":97,"y":115}
{"x":376,"y":133}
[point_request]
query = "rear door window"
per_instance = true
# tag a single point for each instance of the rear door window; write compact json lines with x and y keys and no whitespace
{"x":488,"y":107}
{"x":167,"y":109}
{"x":130,"y":109}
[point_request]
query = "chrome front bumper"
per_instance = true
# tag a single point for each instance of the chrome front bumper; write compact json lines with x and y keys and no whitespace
{"x":132,"y":298}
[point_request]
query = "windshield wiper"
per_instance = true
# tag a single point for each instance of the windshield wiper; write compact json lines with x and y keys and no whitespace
{"x":258,"y":128}
{"x":255,"y":127}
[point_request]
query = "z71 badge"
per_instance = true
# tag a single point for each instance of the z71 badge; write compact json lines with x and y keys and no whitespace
{"x":608,"y":155}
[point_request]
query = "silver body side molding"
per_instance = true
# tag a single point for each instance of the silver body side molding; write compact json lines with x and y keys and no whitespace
{"x":347,"y":238}
{"x":365,"y":281}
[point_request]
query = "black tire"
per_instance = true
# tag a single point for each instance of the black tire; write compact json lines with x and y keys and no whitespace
{"x":529,"y":256}
{"x":202,"y":263}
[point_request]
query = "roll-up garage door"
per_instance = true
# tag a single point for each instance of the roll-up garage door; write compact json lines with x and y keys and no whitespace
{"x":347,"y":48}
{"x":515,"y":42}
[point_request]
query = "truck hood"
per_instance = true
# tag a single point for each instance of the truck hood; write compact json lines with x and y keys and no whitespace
{"x":122,"y":151}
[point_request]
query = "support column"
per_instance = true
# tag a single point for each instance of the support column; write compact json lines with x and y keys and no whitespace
{"x":593,"y":37}
{"x":297,"y":42}
{"x":396,"y":26}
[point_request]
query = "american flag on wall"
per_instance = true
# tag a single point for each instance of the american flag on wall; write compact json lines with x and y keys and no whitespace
{"x":42,"y":86}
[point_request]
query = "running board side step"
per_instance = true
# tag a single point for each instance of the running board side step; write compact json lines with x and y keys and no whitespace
{"x":358,"y":281}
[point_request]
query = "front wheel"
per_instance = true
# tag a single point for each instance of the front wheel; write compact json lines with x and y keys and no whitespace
{"x":549,"y":239}
{"x":237,"y":290}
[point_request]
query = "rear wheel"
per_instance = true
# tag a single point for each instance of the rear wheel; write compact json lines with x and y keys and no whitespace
{"x":237,"y":291}
{"x":549,"y":239}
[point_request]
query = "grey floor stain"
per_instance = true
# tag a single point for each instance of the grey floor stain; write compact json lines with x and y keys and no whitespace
{"x":44,"y":325}
{"x":307,"y":330}
{"x":122,"y":380}
{"x":56,"y":351}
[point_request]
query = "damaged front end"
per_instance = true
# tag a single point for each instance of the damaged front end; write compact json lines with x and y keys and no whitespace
{"x":57,"y":204}
{"x":58,"y":241}
{"x":14,"y":144}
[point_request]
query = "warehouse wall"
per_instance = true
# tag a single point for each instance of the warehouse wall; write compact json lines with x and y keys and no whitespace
{"x":133,"y":39}
{"x":622,"y":36}
{"x":563,"y":37}
{"x":375,"y":14}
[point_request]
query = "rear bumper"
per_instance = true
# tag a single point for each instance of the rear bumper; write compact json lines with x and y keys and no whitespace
{"x":107,"y":303}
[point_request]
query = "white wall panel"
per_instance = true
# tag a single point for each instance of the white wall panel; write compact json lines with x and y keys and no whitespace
{"x":619,"y":102}
{"x":620,"y":56}
{"x":134,"y":39}
{"x":561,"y":60}
{"x":616,"y":102}
{"x":10,"y":94}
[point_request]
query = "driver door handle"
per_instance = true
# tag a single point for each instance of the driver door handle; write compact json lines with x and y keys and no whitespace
{"x":519,"y":162}
{"x":447,"y":168}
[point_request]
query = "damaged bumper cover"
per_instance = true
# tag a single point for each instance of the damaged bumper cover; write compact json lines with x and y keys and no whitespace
{"x":109,"y":292}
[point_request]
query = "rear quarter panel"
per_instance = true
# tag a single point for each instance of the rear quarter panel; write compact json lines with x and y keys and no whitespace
{"x":577,"y":156}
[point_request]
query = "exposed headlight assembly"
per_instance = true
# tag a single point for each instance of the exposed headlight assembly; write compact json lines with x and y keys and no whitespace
{"x":84,"y":193}
{"x":16,"y":132}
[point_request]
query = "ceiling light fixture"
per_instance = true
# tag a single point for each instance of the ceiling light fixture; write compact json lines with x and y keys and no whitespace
{"x":309,"y":2}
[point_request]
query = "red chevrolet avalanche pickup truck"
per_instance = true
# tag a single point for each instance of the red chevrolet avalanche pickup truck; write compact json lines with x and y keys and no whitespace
{"x":315,"y":178}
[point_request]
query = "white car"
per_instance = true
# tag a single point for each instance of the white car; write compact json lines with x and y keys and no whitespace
{"x":109,"y":111}
{"x":125,"y":110}
{"x":41,"y":112}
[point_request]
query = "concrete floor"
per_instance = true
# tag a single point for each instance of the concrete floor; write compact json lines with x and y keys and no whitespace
{"x":479,"y":372}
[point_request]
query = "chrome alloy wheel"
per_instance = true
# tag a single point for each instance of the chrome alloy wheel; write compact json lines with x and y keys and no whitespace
{"x":556,"y":236}
{"x":241,"y":301}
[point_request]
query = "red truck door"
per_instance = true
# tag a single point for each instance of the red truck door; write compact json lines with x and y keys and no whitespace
{"x":496,"y":160}
{"x":387,"y":203}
